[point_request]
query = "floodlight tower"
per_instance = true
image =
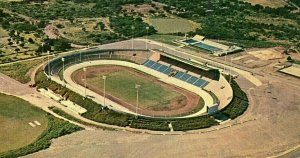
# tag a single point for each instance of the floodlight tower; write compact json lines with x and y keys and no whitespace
{"x":49,"y":73}
{"x":147,"y":28}
{"x":230,"y":70}
{"x":104,"y":80}
{"x":137,"y":98}
{"x":63,"y":61}
{"x":132,"y":31}
{"x":84,"y":69}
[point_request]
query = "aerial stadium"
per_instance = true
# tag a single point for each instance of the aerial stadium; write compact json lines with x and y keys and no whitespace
{"x":146,"y":88}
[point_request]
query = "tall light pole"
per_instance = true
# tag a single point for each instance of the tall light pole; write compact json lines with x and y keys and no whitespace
{"x":230,"y":70}
{"x":137,"y":98}
{"x":42,"y":51}
{"x":80,"y":55}
{"x":104,"y":79}
{"x":225,"y":63}
{"x":63,"y":61}
{"x":147,"y":28}
{"x":84,"y":69}
{"x":49,"y":73}
{"x":132,"y":29}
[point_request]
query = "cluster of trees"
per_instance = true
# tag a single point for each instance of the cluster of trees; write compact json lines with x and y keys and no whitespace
{"x":103,"y":38}
{"x":228,"y":19}
{"x":54,"y":45}
{"x":129,"y":26}
{"x":72,"y":9}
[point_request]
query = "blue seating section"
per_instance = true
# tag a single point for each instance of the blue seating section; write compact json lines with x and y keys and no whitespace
{"x":180,"y":75}
{"x":168,"y":71}
{"x":155,"y":66}
{"x":185,"y":77}
{"x":201,"y":83}
{"x":192,"y":80}
{"x":207,"y":47}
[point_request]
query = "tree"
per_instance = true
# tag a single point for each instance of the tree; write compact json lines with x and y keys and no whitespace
{"x":30,"y":40}
{"x":61,"y":45}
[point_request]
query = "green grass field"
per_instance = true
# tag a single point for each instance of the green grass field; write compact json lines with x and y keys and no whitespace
{"x":168,"y":39}
{"x":15,"y":114}
{"x":172,"y":25}
{"x":121,"y":84}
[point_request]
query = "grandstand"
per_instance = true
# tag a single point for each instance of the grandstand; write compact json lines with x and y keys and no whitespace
{"x":210,"y":46}
{"x":184,"y":76}
{"x":182,"y":69}
{"x":189,"y":66}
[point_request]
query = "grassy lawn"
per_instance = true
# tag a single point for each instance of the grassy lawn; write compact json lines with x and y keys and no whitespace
{"x":19,"y":71}
{"x":168,"y":39}
{"x":121,"y":84}
{"x":15,"y":114}
{"x":173,"y":25}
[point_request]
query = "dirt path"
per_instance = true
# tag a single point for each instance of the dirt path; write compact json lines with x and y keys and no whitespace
{"x":189,"y":103}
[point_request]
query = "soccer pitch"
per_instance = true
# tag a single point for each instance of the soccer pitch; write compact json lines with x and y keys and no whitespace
{"x":121,"y":84}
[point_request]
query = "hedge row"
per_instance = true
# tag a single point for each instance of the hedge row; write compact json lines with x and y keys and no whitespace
{"x":194,"y":123}
{"x":159,"y":125}
{"x":239,"y":103}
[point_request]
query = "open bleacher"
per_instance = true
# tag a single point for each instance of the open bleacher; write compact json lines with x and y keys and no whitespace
{"x":158,"y":67}
{"x":210,"y":46}
{"x":212,"y":74}
{"x":184,"y":76}
{"x":207,"y":47}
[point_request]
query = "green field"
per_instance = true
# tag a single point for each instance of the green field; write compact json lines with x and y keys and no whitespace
{"x":121,"y":84}
{"x":15,"y":114}
{"x":168,"y":39}
{"x":172,"y":25}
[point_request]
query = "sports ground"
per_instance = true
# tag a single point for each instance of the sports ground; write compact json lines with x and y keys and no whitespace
{"x":267,"y":127}
{"x":155,"y":97}
{"x":21,"y":123}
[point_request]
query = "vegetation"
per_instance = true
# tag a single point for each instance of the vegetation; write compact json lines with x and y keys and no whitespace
{"x":17,"y":114}
{"x":230,"y":20}
{"x":56,"y":128}
{"x":129,"y":26}
{"x":19,"y":71}
{"x":70,"y":117}
{"x":172,"y":25}
{"x":239,"y":103}
{"x":94,"y":22}
{"x":165,"y":38}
